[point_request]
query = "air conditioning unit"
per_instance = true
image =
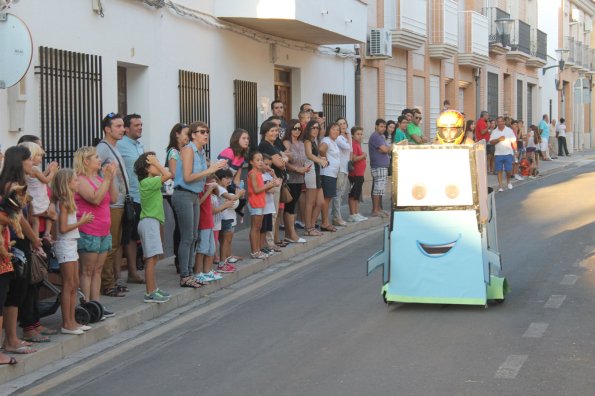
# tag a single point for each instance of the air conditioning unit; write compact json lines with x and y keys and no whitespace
{"x":379,"y":44}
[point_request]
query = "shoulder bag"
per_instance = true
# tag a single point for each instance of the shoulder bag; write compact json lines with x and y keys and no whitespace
{"x":129,"y":211}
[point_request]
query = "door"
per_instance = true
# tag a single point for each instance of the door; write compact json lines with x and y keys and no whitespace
{"x":283,"y":89}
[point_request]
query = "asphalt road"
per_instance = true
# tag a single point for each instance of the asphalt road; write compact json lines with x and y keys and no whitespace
{"x":324,"y":330}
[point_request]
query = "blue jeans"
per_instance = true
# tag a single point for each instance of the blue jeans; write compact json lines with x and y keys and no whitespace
{"x":187,"y":211}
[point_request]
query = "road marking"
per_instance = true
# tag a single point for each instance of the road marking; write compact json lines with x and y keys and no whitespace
{"x":511,"y":366}
{"x":50,"y":380}
{"x":589,"y":249}
{"x":555,"y":301}
{"x":536,"y":330}
{"x":569,"y":280}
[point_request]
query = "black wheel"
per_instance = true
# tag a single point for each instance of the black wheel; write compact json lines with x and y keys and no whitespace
{"x":99,"y":307}
{"x":81,"y":315}
{"x":94,"y":309}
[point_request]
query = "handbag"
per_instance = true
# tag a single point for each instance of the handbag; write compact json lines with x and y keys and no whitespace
{"x":39,"y":269}
{"x":19,"y":263}
{"x":350,"y":166}
{"x":129,"y":210}
{"x":285,"y":194}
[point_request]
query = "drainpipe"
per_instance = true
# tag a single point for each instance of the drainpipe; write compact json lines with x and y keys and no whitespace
{"x":358,"y":80}
{"x":476,"y":75}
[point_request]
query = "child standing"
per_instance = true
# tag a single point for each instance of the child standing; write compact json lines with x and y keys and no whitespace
{"x":228,"y":218}
{"x":257,"y":201}
{"x":205,"y":248}
{"x":64,"y":186}
{"x":151,"y":176}
{"x":37,"y":183}
{"x":356,"y":176}
{"x":269,"y":209}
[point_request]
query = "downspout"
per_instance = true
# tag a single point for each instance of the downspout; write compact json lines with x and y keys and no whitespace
{"x":358,"y":79}
{"x":476,"y":75}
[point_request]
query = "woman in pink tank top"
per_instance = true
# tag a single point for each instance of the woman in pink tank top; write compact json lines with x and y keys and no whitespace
{"x":93,"y":195}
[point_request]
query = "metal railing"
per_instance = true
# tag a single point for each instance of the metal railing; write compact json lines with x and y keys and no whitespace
{"x":494,"y":36}
{"x":578,"y":53}
{"x":569,"y":45}
{"x":539,"y":44}
{"x":246,"y":109}
{"x":71,"y":102}
{"x":334,"y":106}
{"x":194,"y":98}
{"x":522,"y":37}
{"x":586,"y":57}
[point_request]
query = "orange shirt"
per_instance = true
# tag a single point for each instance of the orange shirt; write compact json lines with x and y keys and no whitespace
{"x":256,"y":200}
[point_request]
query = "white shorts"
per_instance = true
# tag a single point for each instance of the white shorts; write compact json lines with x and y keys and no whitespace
{"x":544,"y":144}
{"x":66,"y":250}
{"x":149,"y":231}
{"x":310,"y":176}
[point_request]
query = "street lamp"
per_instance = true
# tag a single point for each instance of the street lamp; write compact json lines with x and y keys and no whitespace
{"x":562,"y":55}
{"x":504,"y":27}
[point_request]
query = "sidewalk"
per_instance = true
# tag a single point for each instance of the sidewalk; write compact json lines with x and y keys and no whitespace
{"x":131,"y":311}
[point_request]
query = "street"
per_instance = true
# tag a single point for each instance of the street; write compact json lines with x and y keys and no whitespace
{"x":324,"y":330}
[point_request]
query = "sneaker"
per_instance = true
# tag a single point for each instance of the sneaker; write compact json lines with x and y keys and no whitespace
{"x":107,"y":313}
{"x":155,"y":297}
{"x":509,"y":186}
{"x":226,"y":268}
{"x":202,"y":278}
{"x":214,"y":275}
{"x":531,"y":177}
{"x":360,"y":217}
{"x":258,"y":255}
{"x":266,"y":251}
{"x":500,"y":189}
{"x":519,"y":177}
{"x":353,"y":219}
{"x":163,"y":293}
{"x":299,"y":224}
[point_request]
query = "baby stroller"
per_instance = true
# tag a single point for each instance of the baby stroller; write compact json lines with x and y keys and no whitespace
{"x":86,"y":312}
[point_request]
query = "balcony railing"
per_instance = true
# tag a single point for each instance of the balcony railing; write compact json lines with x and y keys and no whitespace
{"x":408,"y":22}
{"x":444,"y":34}
{"x":473,"y":40}
{"x":541,"y":44}
{"x":586,"y":57}
{"x":578,"y":54}
{"x":521,"y":40}
{"x":569,"y":45}
{"x":494,"y":36}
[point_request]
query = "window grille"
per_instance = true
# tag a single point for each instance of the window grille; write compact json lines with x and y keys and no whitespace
{"x":334,"y":106}
{"x":194,"y":99}
{"x":246,"y":109}
{"x":71,"y":102}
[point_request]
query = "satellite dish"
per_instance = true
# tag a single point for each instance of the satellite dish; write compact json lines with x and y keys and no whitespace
{"x":16,"y":50}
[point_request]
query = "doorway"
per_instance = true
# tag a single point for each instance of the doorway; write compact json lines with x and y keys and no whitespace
{"x":283,"y":89}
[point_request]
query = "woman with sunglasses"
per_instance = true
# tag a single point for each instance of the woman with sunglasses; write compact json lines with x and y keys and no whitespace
{"x":191,"y":172}
{"x":314,"y":197}
{"x":295,"y":177}
{"x":178,"y":138}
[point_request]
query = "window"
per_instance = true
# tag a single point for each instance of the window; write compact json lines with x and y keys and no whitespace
{"x":493,"y":95}
{"x":194,"y":98}
{"x":71,"y":102}
{"x":519,"y":99}
{"x":246,"y":109}
{"x":334,"y":106}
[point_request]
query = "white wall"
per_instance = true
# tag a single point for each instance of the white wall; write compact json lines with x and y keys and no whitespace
{"x":158,"y":43}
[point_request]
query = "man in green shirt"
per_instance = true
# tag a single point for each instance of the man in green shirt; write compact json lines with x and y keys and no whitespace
{"x":414,"y":132}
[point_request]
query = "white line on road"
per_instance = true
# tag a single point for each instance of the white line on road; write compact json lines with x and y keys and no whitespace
{"x":511,"y":366}
{"x":555,"y":301}
{"x":569,"y":280}
{"x":536,"y":330}
{"x":589,"y":249}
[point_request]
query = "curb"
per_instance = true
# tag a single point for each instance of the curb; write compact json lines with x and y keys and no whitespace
{"x":64,"y":345}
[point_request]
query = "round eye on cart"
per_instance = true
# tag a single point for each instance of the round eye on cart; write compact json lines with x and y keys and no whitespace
{"x":452,"y":191}
{"x":419,"y":191}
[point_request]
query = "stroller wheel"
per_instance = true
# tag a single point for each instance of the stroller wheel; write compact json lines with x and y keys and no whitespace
{"x":95,"y":310}
{"x":81,"y":315}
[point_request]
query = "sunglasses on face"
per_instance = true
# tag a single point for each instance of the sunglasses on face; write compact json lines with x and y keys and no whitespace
{"x":296,"y":128}
{"x":418,"y":118}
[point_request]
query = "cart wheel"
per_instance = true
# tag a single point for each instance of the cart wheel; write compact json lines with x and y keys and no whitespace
{"x":95,"y":311}
{"x":99,"y":307}
{"x":81,"y":315}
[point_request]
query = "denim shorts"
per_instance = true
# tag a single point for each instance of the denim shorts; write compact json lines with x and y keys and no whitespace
{"x":94,"y":244}
{"x":227,"y":225}
{"x":206,"y":242}
{"x":503,"y":161}
{"x":253,"y":212}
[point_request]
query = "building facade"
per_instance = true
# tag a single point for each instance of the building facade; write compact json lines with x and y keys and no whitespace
{"x":222,"y":62}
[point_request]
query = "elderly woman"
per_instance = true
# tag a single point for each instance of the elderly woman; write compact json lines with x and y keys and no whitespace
{"x":296,"y":170}
{"x":94,"y":195}
{"x":329,"y":174}
{"x":178,"y":138}
{"x":191,"y":172}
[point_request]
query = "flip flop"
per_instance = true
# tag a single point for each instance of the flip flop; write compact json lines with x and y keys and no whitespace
{"x":47,"y":332}
{"x":328,"y":229}
{"x":24,"y":350}
{"x":11,"y":361}
{"x":39,"y":338}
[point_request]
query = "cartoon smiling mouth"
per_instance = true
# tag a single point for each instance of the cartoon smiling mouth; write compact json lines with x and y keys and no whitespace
{"x":436,"y":250}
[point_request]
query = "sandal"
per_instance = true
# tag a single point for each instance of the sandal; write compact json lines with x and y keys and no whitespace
{"x":46,"y":331}
{"x":190,"y":281}
{"x":38,"y":338}
{"x":281,"y":244}
{"x":11,"y":361}
{"x":312,"y":232}
{"x":258,"y":255}
{"x":277,"y":248}
{"x":113,"y":292}
{"x":330,"y":228}
{"x":122,"y":288}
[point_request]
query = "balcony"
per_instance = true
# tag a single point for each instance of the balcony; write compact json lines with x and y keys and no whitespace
{"x":538,"y":49}
{"x":520,"y":47}
{"x":499,"y":42}
{"x":585,"y":65}
{"x":473,"y":39}
{"x":569,"y":45}
{"x":578,"y":56}
{"x":407,"y":21}
{"x":444,"y":38}
{"x":329,"y":22}
{"x":592,"y":59}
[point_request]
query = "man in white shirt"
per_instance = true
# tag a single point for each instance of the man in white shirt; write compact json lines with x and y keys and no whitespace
{"x":561,"y":135}
{"x":504,"y":140}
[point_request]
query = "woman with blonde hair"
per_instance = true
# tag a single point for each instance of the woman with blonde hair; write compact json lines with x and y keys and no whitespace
{"x":94,"y":195}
